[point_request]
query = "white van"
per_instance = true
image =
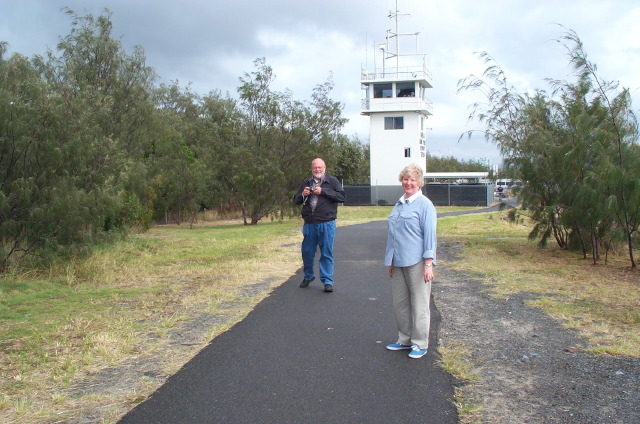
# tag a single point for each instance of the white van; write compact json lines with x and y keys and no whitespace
{"x":507,"y":186}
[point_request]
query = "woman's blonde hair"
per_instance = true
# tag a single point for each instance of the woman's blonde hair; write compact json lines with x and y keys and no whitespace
{"x":414,"y":171}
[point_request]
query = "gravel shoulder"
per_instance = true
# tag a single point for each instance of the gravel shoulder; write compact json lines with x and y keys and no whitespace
{"x":531,"y":369}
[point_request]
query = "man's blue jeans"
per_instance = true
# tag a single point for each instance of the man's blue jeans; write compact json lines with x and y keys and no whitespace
{"x":320,"y":235}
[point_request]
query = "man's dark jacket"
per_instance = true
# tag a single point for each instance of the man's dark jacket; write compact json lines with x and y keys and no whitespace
{"x":327,"y":206}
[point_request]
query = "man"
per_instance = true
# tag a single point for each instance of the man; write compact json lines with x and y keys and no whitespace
{"x":319,"y":197}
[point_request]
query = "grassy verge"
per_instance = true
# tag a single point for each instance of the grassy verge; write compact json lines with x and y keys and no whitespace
{"x":63,"y":325}
{"x":66,"y":324}
{"x":602,"y":302}
{"x":455,"y":359}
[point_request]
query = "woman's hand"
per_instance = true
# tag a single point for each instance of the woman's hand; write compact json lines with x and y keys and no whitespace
{"x":428,"y":271}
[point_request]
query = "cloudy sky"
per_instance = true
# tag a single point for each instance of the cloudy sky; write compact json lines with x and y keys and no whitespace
{"x":211,"y":43}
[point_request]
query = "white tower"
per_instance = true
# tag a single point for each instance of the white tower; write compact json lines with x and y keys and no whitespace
{"x":394,"y":98}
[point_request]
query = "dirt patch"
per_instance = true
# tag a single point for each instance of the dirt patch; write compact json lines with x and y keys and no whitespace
{"x":532,"y":370}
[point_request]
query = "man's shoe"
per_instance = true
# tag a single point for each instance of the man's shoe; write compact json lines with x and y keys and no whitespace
{"x":398,"y":346}
{"x":305,"y":282}
{"x":328,"y":288}
{"x":416,"y":352}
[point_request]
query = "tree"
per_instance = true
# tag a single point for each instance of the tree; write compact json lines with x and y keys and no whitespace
{"x":451,"y":164}
{"x":23,"y":125}
{"x":281,"y":138}
{"x":90,"y":147}
{"x":618,"y":134}
{"x":352,"y":161}
{"x":179,"y":164}
{"x":74,"y":130}
{"x":576,"y":149}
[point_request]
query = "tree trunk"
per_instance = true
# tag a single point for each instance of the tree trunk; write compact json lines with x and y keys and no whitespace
{"x":630,"y":244}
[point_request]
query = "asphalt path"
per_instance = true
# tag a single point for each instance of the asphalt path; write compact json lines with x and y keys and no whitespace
{"x":305,"y":356}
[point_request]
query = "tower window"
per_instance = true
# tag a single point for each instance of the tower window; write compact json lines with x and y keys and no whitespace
{"x":407,"y":152}
{"x":405,"y":89}
{"x":394,"y":122}
{"x":382,"y":90}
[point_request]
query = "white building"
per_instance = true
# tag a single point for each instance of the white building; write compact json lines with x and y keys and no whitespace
{"x":394,"y":98}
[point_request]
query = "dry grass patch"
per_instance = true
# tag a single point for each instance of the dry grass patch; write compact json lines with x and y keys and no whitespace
{"x":455,"y":359}
{"x":74,"y":335}
{"x":601,"y":301}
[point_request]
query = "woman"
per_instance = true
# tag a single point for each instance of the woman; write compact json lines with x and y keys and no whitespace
{"x":411,"y":257}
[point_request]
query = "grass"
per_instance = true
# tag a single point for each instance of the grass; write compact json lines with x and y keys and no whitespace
{"x":456,"y":360}
{"x":68,"y":323}
{"x":601,"y":301}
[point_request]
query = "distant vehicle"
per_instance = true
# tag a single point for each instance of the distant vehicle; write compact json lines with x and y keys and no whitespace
{"x":506,"y":186}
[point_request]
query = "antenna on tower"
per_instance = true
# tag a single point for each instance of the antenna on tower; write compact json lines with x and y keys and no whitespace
{"x":391,"y":50}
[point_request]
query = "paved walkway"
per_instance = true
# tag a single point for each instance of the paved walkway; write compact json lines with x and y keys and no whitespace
{"x":305,"y":356}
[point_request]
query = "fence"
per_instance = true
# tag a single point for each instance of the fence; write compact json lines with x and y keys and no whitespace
{"x":440,"y":194}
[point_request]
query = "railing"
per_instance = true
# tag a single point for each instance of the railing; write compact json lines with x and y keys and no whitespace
{"x":408,"y":73}
{"x":396,"y":104}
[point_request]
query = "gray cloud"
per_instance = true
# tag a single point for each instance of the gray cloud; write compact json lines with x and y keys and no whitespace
{"x":212,"y":43}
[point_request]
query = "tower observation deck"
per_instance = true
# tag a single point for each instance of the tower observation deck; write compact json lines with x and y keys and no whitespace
{"x":398,"y":81}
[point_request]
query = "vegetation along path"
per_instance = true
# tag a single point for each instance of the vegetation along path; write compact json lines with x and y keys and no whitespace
{"x":513,"y":363}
